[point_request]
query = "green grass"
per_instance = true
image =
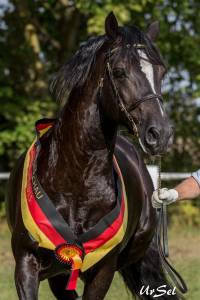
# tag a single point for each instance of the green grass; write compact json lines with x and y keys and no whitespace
{"x":184,"y":248}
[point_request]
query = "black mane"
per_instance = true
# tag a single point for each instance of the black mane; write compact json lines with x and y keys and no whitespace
{"x":75,"y":72}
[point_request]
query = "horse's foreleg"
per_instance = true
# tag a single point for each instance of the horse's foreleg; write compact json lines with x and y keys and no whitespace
{"x":58,"y":287}
{"x":99,"y":280}
{"x":26,"y":277}
{"x":147,"y":272}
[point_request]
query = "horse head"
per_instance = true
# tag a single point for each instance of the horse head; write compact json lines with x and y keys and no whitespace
{"x":131,"y":84}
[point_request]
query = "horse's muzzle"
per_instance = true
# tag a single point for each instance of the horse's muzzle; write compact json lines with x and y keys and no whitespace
{"x":157,"y":140}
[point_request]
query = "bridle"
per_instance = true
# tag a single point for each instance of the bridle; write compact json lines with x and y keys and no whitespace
{"x":152,"y":96}
{"x":161,"y":230}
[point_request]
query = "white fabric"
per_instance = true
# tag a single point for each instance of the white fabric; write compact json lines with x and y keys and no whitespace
{"x":196,"y":176}
{"x":165,"y":196}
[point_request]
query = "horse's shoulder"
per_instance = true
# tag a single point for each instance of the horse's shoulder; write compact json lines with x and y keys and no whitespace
{"x":131,"y":162}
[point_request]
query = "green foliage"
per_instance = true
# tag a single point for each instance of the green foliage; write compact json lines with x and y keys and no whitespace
{"x":19,"y":131}
{"x":185,"y":214}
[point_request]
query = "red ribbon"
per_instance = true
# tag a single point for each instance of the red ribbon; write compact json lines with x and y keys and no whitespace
{"x":72,"y":283}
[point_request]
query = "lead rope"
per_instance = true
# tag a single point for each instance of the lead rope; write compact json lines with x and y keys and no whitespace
{"x":163,"y":212}
{"x":162,"y":242}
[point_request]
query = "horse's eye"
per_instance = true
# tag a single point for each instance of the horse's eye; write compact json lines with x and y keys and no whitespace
{"x":119,"y":73}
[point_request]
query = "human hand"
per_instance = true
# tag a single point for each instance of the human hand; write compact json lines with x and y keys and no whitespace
{"x":164,"y":196}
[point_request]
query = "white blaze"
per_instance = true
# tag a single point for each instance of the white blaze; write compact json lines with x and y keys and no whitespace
{"x":147,"y":69}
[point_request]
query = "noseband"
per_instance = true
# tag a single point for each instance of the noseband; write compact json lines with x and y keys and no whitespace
{"x":122,"y":106}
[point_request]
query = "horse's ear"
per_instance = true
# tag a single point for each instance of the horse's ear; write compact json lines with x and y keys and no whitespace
{"x":153,"y":31}
{"x":111,"y":25}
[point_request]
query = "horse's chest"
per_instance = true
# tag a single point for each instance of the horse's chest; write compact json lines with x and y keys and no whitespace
{"x":82,"y":211}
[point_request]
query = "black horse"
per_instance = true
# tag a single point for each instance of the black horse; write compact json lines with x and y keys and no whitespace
{"x":112,"y":79}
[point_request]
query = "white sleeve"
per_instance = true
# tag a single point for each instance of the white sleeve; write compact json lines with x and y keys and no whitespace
{"x":196,"y":176}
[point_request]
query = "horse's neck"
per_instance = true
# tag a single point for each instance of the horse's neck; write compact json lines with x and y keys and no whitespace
{"x":79,"y":153}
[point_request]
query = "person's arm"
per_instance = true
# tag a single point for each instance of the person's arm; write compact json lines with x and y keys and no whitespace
{"x":187,"y":189}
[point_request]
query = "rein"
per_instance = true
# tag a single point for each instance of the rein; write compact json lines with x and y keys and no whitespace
{"x":162,"y":242}
{"x":161,"y":230}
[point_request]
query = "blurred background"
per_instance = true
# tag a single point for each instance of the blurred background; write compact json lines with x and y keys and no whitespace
{"x":37,"y":37}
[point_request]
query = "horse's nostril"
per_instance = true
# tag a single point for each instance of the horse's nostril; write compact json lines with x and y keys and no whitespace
{"x":152,"y":136}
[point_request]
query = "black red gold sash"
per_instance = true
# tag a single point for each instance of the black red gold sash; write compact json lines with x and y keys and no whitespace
{"x":49,"y":229}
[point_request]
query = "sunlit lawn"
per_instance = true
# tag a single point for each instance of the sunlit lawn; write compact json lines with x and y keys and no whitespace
{"x":185,"y":252}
